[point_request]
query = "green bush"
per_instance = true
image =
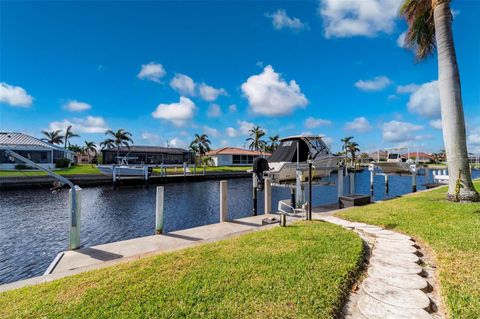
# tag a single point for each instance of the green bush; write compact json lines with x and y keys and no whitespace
{"x":62,"y":163}
{"x":22,"y":167}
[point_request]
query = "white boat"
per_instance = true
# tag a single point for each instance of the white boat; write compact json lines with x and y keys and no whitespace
{"x":395,"y":164}
{"x":123,"y":169}
{"x":294,"y":152}
{"x":440,"y":176}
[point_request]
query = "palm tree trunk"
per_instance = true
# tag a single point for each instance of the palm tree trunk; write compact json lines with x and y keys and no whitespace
{"x":453,"y":120}
{"x":118,"y":153}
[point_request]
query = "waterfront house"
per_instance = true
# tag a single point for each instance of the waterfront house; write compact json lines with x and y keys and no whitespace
{"x":150,"y":155}
{"x":234,"y":156}
{"x":32,"y":148}
{"x":419,"y":157}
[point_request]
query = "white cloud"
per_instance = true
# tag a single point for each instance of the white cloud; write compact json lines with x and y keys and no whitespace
{"x":348,"y":18}
{"x":209,"y":93}
{"x":14,"y":95}
{"x":436,"y":124}
{"x":409,"y":88}
{"x":231,"y":132}
{"x":177,"y":113}
{"x":396,"y":131}
{"x":425,"y":101}
{"x":312,"y":122}
{"x":280,"y":20}
{"x":245,"y":127}
{"x":214,"y":110}
{"x":376,"y":84}
{"x":76,"y":106}
{"x":151,"y":138}
{"x":360,"y":125}
{"x":401,"y":40}
{"x":328,"y":141}
{"x":210,"y":131}
{"x":183,"y":84}
{"x":176,"y":142}
{"x":90,"y":124}
{"x":268,"y":94}
{"x":232,"y":108}
{"x":152,"y":71}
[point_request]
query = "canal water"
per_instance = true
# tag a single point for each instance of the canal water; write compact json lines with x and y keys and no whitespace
{"x":34,"y":222}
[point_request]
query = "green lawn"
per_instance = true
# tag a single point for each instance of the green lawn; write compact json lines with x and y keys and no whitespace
{"x":301,"y":271}
{"x":77,"y":169}
{"x":451,"y":230}
{"x":89,"y":169}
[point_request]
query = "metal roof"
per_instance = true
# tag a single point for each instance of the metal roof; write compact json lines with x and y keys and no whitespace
{"x":148,"y":149}
{"x":22,"y":141}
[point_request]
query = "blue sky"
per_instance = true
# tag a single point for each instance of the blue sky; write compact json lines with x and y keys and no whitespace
{"x":167,"y":70}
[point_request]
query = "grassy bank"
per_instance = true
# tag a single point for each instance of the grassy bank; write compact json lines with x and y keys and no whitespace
{"x":451,"y":230}
{"x":89,"y":169}
{"x":301,"y":271}
{"x":77,"y":169}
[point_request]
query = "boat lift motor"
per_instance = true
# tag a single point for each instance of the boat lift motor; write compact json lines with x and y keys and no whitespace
{"x":260,"y":165}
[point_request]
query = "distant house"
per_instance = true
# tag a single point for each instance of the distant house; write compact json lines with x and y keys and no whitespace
{"x":233,"y":156}
{"x":422,"y":157}
{"x":32,"y":148}
{"x":378,"y":156}
{"x":150,"y":155}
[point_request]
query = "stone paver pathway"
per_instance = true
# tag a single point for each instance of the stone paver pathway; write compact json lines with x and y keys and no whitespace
{"x":398,"y":284}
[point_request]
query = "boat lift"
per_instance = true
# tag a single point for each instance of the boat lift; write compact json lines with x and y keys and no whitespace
{"x":74,"y":203}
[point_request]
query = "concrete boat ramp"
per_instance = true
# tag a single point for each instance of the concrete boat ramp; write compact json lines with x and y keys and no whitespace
{"x":76,"y":261}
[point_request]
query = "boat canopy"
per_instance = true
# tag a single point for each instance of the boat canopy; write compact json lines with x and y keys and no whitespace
{"x":287,"y":151}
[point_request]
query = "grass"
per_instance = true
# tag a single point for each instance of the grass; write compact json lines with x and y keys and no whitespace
{"x":89,"y":169}
{"x":77,"y":169}
{"x":450,"y":230}
{"x":301,"y":271}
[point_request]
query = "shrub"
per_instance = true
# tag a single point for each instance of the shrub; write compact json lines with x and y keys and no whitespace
{"x":22,"y":167}
{"x":62,"y":163}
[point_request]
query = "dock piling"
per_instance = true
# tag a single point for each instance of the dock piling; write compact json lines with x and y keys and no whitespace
{"x":223,"y":201}
{"x":340,"y":182}
{"x":159,"y":211}
{"x":268,"y":196}
{"x":74,"y":207}
{"x":254,"y":195}
{"x":386,"y":183}
{"x":371,"y":168}
{"x":352,"y":183}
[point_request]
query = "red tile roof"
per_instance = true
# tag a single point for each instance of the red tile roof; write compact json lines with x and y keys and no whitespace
{"x":234,"y":151}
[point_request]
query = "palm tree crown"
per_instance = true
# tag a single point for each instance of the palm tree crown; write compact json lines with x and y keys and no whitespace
{"x":256,"y":142}
{"x":53,"y":137}
{"x":90,"y":147}
{"x":68,"y":134}
{"x":201,"y":144}
{"x":117,"y":139}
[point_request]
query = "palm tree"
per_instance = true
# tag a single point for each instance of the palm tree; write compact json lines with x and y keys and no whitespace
{"x":108,"y":143}
{"x":90,"y":147}
{"x":193,"y":148}
{"x":273,"y":140}
{"x":53,"y":137}
{"x":353,"y":148}
{"x":345,"y":141}
{"x":202,"y":144}
{"x":429,"y":26}
{"x":117,"y":139}
{"x":68,"y":134}
{"x":256,"y":143}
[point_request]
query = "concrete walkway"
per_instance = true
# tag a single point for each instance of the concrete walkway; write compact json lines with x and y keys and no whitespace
{"x":397,"y":284}
{"x":76,"y":261}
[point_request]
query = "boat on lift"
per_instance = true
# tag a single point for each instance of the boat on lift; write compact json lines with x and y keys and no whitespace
{"x":395,"y":164}
{"x":293,"y":154}
{"x":123,"y":168}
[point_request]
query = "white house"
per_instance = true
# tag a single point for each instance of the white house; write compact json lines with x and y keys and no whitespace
{"x":32,"y":148}
{"x":233,"y":156}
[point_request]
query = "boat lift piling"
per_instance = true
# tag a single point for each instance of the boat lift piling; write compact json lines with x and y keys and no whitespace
{"x":254,"y":195}
{"x":159,"y":210}
{"x":267,"y":196}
